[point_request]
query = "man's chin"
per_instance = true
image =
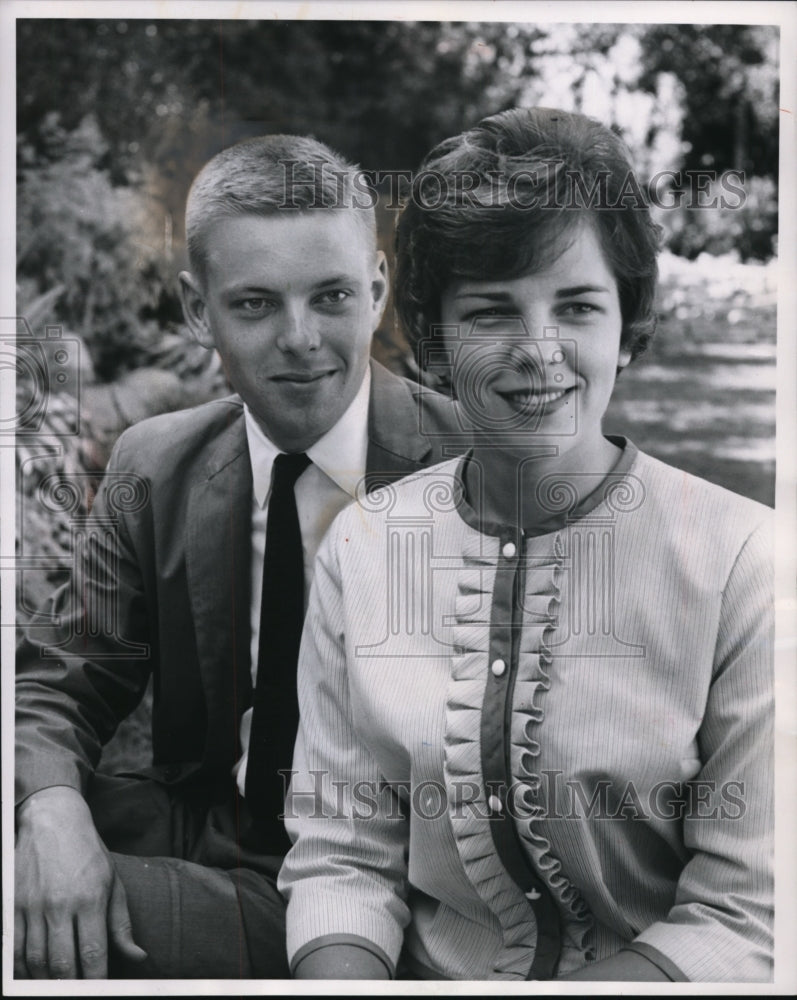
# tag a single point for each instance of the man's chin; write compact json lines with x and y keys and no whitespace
{"x":299,"y":414}
{"x":293,"y":431}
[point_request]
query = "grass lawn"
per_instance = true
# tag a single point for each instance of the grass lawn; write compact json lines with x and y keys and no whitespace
{"x":703,"y":397}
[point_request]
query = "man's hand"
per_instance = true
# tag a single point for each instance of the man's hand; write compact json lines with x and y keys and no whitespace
{"x":69,"y":900}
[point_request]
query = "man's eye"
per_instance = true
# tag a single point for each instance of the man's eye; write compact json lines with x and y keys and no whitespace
{"x":252,"y":305}
{"x":334,"y":297}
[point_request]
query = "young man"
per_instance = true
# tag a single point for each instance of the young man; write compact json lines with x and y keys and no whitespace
{"x":171,"y":872}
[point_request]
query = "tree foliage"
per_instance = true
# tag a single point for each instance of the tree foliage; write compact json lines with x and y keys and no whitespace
{"x":729,"y":75}
{"x":116,"y":116}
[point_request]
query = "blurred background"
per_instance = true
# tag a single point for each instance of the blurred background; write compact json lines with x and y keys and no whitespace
{"x":115,"y":117}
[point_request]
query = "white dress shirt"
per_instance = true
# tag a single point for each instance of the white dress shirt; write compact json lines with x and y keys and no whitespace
{"x":322,"y":491}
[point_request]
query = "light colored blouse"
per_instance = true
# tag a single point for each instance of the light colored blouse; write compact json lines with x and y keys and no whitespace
{"x":521,"y":754}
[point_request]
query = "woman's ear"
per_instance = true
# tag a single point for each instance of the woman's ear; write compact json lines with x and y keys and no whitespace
{"x":623,"y":358}
{"x":195,"y":310}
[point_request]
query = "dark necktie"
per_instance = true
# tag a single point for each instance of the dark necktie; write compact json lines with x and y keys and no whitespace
{"x":275,"y":714}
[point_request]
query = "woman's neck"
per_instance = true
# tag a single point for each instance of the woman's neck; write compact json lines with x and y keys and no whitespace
{"x":536,"y":492}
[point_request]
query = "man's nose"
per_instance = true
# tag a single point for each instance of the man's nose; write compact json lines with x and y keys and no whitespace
{"x":298,"y":330}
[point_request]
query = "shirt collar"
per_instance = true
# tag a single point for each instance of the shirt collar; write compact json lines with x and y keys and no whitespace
{"x":340,"y":454}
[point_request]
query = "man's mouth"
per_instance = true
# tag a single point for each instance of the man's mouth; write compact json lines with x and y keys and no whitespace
{"x":302,"y":377}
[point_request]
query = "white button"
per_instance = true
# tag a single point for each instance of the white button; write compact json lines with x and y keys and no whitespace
{"x":509,"y":550}
{"x":495,"y":804}
{"x":533,"y":894}
{"x":498,"y":667}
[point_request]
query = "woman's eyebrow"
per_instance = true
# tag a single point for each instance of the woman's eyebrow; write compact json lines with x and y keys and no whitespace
{"x":492,"y":296}
{"x":563,"y":293}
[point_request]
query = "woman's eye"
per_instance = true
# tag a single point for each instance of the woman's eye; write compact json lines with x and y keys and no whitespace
{"x":578,"y":309}
{"x":487,"y":315}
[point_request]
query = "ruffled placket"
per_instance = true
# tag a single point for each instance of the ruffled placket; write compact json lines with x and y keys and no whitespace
{"x":506,"y":612}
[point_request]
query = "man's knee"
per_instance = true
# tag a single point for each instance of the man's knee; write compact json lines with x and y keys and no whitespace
{"x":262,"y":911}
{"x":198,"y":922}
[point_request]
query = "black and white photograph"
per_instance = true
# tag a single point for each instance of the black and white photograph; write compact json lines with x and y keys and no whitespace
{"x":397,"y":467}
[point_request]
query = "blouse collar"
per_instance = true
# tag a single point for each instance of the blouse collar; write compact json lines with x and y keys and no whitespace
{"x":557,"y":491}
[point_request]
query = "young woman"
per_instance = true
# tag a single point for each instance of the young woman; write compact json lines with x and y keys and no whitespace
{"x":535,"y":681}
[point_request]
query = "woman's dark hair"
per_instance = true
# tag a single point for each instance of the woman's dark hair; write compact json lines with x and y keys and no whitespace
{"x":499,"y":200}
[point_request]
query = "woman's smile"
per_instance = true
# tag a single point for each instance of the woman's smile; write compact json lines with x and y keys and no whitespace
{"x":526,"y":400}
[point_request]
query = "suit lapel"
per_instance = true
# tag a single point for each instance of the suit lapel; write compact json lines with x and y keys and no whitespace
{"x":218,"y":558}
{"x":219,"y":548}
{"x":395,"y":445}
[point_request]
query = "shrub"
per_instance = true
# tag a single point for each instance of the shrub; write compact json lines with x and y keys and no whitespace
{"x":750,"y":230}
{"x":103,"y":241}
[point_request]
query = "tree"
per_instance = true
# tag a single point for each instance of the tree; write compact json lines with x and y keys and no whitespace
{"x":729,"y":74}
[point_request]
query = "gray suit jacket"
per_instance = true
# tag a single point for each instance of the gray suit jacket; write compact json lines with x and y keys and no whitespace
{"x":162,"y":588}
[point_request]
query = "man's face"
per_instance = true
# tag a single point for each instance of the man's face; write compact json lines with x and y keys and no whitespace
{"x":291,"y":302}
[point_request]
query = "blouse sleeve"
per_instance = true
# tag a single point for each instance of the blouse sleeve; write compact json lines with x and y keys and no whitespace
{"x":345,"y":876}
{"x":720,"y":928}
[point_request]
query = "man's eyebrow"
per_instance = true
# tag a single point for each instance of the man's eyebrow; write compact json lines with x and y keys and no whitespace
{"x":338,"y":279}
{"x":563,"y":293}
{"x":253,"y":288}
{"x":249,"y":288}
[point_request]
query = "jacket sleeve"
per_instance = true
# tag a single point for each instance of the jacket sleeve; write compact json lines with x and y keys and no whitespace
{"x":345,"y":877}
{"x":84,"y":666}
{"x":720,"y":928}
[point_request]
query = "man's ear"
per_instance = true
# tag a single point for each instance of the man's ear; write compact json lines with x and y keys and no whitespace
{"x":195,"y":310}
{"x":379,"y":287}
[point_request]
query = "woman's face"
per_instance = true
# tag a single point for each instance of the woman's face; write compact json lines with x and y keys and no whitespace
{"x":535,"y":357}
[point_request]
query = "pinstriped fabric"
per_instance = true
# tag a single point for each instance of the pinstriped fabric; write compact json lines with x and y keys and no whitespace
{"x":658,"y":680}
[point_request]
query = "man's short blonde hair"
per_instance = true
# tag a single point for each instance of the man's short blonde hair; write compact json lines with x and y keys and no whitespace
{"x":269,"y":175}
